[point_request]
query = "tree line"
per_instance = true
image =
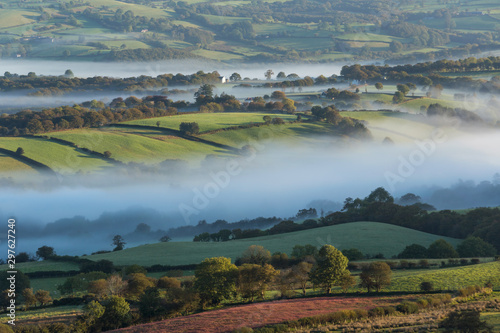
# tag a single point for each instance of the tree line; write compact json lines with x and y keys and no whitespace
{"x":380,"y":206}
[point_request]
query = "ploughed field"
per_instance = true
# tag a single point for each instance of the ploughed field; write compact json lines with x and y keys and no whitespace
{"x":261,"y":314}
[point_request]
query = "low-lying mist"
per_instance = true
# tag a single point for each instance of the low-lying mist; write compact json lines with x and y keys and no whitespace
{"x":129,"y":69}
{"x":80,"y":214}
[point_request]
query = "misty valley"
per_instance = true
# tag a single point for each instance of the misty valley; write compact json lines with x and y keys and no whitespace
{"x":249,"y":166}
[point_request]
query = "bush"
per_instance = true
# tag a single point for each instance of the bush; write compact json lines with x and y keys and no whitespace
{"x":189,"y":128}
{"x":426,"y":286}
{"x":422,"y":303}
{"x":407,"y":307}
{"x":376,"y":312}
{"x":389,"y":310}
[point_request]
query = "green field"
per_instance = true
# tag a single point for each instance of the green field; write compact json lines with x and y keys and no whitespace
{"x":138,"y":146}
{"x":60,"y":158}
{"x":8,"y":164}
{"x":448,"y":278}
{"x":368,"y":237}
{"x":210,"y":121}
{"x":44,"y":266}
{"x":45,"y":314}
{"x":400,"y":127}
{"x":296,"y":133}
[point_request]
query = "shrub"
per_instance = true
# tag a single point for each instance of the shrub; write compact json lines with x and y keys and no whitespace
{"x":426,"y":286}
{"x":422,"y":303}
{"x":376,"y":312}
{"x":407,"y":307}
{"x":389,"y":310}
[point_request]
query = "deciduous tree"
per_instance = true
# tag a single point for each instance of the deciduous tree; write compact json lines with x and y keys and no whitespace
{"x":330,"y":266}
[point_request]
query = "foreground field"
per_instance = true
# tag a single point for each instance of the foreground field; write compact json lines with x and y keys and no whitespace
{"x":368,"y":237}
{"x":448,"y":278}
{"x":256,"y":315}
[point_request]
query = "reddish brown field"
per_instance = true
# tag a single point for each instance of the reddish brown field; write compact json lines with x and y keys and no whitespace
{"x":256,"y":315}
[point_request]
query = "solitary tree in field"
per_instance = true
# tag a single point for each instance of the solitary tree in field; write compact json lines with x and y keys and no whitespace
{"x":331,"y":265}
{"x":375,"y":275}
{"x":20,"y":151}
{"x":403,"y":88}
{"x":165,"y":239}
{"x":398,"y":97}
{"x":189,"y":128}
{"x":69,"y":73}
{"x":107,"y":154}
{"x":379,"y":86}
{"x":118,"y":242}
{"x":45,"y":252}
{"x":235,"y":77}
{"x":269,"y":74}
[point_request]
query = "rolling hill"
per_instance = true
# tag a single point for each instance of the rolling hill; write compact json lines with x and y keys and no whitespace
{"x":368,"y":237}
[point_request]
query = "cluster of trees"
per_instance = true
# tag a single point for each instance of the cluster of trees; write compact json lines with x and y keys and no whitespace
{"x":204,"y":227}
{"x":427,"y":74}
{"x":437,"y":110}
{"x":12,"y":82}
{"x":420,"y":35}
{"x":470,"y":247}
{"x":89,"y":114}
{"x":379,"y":206}
{"x":345,"y":125}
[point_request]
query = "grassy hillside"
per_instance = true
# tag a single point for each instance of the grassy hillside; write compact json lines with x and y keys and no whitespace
{"x":210,"y":121}
{"x":368,"y":237}
{"x":60,"y":158}
{"x":400,"y":127}
{"x":153,"y":145}
{"x":8,"y":164}
{"x":138,"y":145}
{"x":448,"y":278}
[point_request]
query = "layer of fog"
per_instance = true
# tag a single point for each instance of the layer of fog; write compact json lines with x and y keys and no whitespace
{"x":129,"y":69}
{"x":277,"y":181}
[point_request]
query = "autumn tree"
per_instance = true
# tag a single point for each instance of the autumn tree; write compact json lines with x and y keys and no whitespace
{"x":29,"y":297}
{"x":301,"y":274}
{"x":253,"y":280}
{"x":330,"y":266}
{"x":256,"y":254}
{"x":43,"y":297}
